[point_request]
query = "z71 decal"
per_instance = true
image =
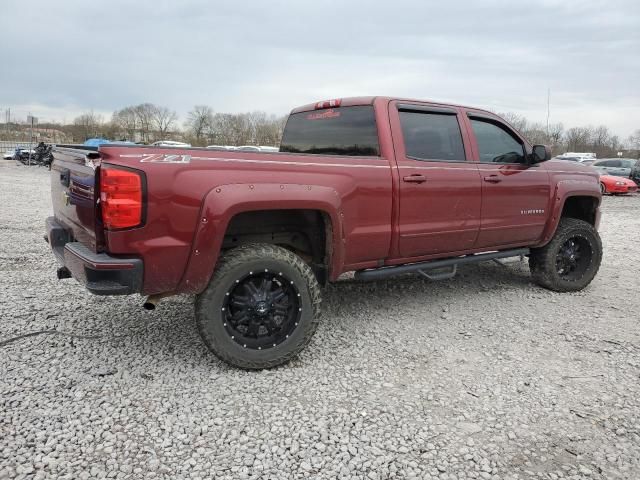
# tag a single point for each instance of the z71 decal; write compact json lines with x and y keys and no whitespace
{"x":164,"y":158}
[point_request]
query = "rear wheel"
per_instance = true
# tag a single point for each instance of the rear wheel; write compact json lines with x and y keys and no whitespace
{"x":261,"y":307}
{"x":570,"y":261}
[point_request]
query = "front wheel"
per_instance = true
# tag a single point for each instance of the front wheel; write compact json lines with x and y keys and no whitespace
{"x":570,"y":261}
{"x":261,"y":307}
{"x":603,"y":188}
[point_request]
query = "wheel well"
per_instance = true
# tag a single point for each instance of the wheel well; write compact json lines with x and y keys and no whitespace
{"x":307,"y":233}
{"x":582,"y":208}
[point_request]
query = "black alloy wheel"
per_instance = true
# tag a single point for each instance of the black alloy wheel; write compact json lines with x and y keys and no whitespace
{"x":261,"y":310}
{"x":573,"y":258}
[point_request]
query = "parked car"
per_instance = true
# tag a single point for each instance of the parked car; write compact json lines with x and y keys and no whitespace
{"x":582,"y":160}
{"x":377,"y":185}
{"x":248,"y":148}
{"x":170,"y":143}
{"x":8,"y":155}
{"x":586,"y":158}
{"x":620,"y":167}
{"x":614,"y":185}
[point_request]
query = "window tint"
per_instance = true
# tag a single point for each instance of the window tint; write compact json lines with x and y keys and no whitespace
{"x":496,"y":145}
{"x":431,"y":136}
{"x":336,"y":131}
{"x":627,"y":163}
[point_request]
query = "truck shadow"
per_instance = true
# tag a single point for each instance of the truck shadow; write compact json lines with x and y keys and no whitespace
{"x":349,"y":301}
{"x":149,"y":344}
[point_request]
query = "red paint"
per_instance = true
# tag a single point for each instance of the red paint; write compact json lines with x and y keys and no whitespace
{"x":378,"y":216}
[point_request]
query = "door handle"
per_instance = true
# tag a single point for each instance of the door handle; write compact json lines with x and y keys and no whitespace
{"x":492,"y":179}
{"x":415,"y":178}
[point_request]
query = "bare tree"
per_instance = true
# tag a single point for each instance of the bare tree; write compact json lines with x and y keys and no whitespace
{"x":578,"y":139}
{"x":144,"y":116}
{"x":634,"y":140}
{"x":163,"y":119}
{"x":87,"y":125}
{"x":556,"y":132}
{"x":199,"y":121}
{"x":519,"y":122}
{"x":126,"y":122}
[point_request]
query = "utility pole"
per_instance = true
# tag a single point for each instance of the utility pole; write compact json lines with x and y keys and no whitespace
{"x":7,"y":114}
{"x":548,"y":108}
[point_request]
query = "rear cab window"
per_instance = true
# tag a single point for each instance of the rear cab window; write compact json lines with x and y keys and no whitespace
{"x":345,"y":131}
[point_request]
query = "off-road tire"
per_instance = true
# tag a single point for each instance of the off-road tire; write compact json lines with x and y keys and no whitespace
{"x":232,"y":266}
{"x":542,"y":261}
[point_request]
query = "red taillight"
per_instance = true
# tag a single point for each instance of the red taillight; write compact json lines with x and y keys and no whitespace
{"x":120,"y":198}
{"x":328,"y":104}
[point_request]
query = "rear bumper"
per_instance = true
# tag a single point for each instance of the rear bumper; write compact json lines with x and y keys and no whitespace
{"x":100,"y":273}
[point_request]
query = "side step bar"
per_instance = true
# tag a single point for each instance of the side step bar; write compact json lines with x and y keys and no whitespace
{"x":383,"y":272}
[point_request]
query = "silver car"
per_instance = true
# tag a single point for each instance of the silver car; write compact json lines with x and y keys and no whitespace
{"x":619,"y":167}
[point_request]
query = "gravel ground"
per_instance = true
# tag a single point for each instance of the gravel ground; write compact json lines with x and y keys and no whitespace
{"x":483,"y":376}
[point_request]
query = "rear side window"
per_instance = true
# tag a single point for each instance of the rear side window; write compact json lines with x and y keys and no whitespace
{"x":627,"y":163}
{"x":347,"y":131}
{"x":431,"y":136}
{"x":496,"y":144}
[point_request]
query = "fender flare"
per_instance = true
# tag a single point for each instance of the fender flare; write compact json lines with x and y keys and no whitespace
{"x":564,"y":190}
{"x":223,"y":202}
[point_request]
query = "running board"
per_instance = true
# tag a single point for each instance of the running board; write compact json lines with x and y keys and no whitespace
{"x":383,"y":272}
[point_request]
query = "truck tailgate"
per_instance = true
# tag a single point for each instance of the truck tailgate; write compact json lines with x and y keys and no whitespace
{"x":73,"y":194}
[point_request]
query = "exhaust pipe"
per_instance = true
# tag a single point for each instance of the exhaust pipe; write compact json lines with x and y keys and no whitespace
{"x":153,"y":300}
{"x":63,"y":272}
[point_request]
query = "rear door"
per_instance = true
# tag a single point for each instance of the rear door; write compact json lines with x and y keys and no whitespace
{"x":515,"y":194}
{"x":73,"y":193}
{"x":439,"y":190}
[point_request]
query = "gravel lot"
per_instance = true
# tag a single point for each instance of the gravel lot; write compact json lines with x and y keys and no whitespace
{"x":483,"y":376}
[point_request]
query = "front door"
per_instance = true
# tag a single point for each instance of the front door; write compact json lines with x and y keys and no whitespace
{"x":439,"y":205}
{"x":515,"y":193}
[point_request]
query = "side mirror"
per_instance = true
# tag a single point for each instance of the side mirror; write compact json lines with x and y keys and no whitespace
{"x":541,"y":153}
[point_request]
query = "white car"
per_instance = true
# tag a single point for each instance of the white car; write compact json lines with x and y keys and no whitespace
{"x":170,"y":143}
{"x":221,"y":147}
{"x":8,"y":155}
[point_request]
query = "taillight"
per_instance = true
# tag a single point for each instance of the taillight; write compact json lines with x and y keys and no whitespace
{"x":120,"y":198}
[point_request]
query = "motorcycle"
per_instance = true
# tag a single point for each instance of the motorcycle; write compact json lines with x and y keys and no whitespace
{"x":43,"y":155}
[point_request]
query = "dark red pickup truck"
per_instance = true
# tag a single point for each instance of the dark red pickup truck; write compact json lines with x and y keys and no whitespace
{"x":380,"y":186}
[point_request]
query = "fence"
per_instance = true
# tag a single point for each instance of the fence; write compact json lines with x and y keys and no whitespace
{"x":10,"y":146}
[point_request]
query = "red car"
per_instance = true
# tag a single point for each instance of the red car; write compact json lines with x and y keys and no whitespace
{"x":613,"y":185}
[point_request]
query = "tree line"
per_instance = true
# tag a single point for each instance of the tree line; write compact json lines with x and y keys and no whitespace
{"x":148,"y":123}
{"x":597,"y":139}
{"x":203,"y":126}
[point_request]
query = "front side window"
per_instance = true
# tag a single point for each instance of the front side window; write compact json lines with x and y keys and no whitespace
{"x":496,"y":144}
{"x":347,"y":131}
{"x":431,"y":136}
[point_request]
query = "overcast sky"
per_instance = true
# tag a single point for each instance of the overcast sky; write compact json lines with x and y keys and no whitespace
{"x":61,"y":58}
